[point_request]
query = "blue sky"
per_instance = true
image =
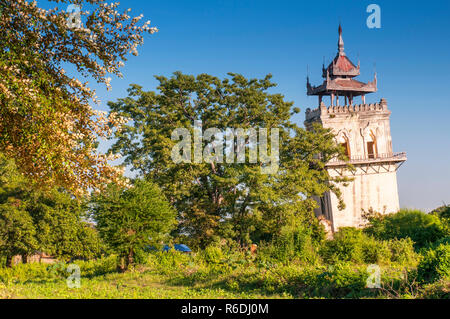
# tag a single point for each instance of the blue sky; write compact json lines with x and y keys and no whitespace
{"x":411,"y":52}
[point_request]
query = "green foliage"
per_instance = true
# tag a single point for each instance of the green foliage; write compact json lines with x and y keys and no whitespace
{"x":212,"y":254}
{"x":435,"y":264}
{"x":403,"y":251}
{"x":422,"y":228}
{"x":129,"y":220}
{"x":36,"y":272}
{"x":170,"y":261}
{"x":17,"y":232}
{"x":444,"y":215}
{"x":347,"y":245}
{"x":228,"y":200}
{"x":33,"y":220}
{"x":298,"y":242}
{"x":61,"y":226}
{"x":353,"y":245}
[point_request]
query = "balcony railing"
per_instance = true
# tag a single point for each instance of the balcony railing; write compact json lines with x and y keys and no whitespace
{"x":388,"y":157}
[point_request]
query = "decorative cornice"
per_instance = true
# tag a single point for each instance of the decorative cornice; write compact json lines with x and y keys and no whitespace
{"x":323,"y":110}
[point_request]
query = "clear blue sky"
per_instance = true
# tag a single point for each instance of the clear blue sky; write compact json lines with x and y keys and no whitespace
{"x":411,"y":52}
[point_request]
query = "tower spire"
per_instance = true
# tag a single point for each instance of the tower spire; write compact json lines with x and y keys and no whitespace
{"x":341,"y":42}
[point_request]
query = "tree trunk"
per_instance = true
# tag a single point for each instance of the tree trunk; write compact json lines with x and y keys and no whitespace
{"x":130,"y":258}
{"x":9,"y":261}
{"x":121,"y":267}
{"x":24,"y":259}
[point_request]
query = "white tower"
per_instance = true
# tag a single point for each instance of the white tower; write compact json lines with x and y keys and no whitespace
{"x":364,"y":132}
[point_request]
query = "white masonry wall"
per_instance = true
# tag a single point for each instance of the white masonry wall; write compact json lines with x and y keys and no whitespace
{"x":374,"y":190}
{"x":375,"y":185}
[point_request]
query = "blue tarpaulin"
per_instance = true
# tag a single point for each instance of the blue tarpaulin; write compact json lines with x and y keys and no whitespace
{"x":178,"y":247}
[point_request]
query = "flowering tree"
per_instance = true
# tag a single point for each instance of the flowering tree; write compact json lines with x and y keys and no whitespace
{"x":46,"y":121}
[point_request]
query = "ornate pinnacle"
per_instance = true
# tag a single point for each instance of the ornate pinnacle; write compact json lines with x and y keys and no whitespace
{"x":341,"y":42}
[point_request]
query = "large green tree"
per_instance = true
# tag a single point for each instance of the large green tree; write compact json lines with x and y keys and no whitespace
{"x":17,"y":232}
{"x":33,"y":220}
{"x":232,"y":200}
{"x":131,"y":219}
{"x":63,"y":229}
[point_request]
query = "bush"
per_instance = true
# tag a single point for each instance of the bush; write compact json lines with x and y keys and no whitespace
{"x":422,"y":228}
{"x":292,"y":243}
{"x":26,"y":272}
{"x":98,"y":267}
{"x":375,"y":251}
{"x":347,"y":246}
{"x":353,"y":245}
{"x":402,"y":251}
{"x":435,"y":265}
{"x":212,"y":254}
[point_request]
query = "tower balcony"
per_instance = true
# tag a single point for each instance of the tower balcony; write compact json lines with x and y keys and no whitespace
{"x":388,"y":158}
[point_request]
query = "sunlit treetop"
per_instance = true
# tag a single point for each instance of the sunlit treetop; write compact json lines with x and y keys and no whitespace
{"x":47,"y":123}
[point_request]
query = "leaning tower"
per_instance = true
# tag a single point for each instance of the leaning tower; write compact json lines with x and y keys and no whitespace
{"x":364,"y":132}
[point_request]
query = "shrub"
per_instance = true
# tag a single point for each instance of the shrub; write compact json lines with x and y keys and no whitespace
{"x":435,"y":265}
{"x":375,"y":251}
{"x":98,"y":267}
{"x":346,"y":246}
{"x":292,"y":243}
{"x":212,"y":254}
{"x":402,"y":251}
{"x":26,"y":272}
{"x":422,"y":228}
{"x":353,"y":245}
{"x":171,"y":259}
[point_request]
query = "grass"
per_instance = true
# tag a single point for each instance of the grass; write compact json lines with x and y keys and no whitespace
{"x":176,"y":276}
{"x":139,"y":284}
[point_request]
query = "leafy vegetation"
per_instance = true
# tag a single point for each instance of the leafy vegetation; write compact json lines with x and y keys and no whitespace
{"x":254,"y":234}
{"x":46,"y":121}
{"x":33,"y":221}
{"x":228,"y":274}
{"x":228,"y":200}
{"x":129,"y":220}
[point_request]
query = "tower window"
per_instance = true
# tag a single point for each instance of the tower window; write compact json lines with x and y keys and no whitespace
{"x":371,"y":150}
{"x":346,"y":149}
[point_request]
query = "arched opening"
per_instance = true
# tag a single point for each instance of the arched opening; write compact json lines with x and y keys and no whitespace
{"x":346,"y":149}
{"x":345,"y":144}
{"x":372,"y":151}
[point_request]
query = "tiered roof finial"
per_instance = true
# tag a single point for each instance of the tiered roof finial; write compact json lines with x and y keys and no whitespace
{"x":339,"y":78}
{"x":341,"y":42}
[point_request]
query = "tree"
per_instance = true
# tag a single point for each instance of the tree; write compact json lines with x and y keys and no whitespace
{"x":239,"y":201}
{"x":33,"y":220}
{"x":129,"y":220}
{"x":443,"y":213}
{"x":17,"y":232}
{"x":62,"y":227}
{"x":46,"y":122}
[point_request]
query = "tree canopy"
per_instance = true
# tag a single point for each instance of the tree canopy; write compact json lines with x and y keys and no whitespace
{"x":230,"y":199}
{"x":46,"y":121}
{"x":131,"y":219}
{"x":33,"y":220}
